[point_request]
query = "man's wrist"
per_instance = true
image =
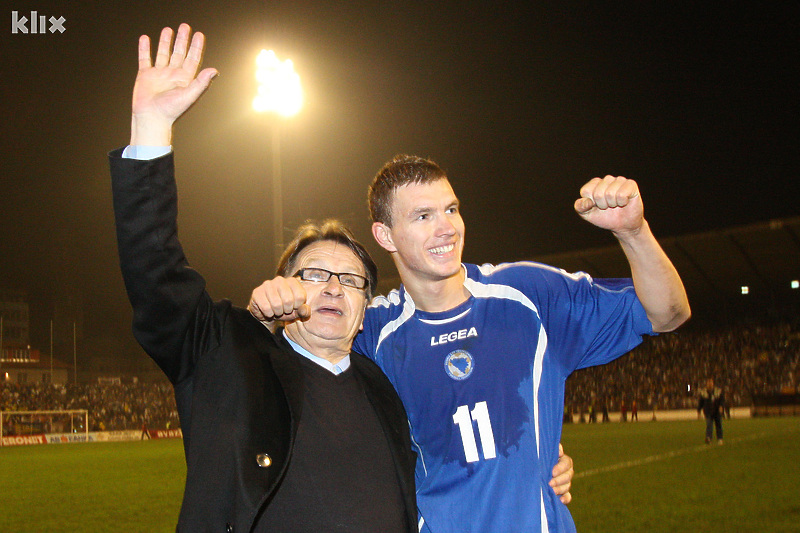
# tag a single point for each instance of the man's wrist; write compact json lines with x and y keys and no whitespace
{"x":147,"y":130}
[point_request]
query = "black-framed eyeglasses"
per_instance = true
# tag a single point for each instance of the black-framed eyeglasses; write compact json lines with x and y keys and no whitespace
{"x":320,"y":275}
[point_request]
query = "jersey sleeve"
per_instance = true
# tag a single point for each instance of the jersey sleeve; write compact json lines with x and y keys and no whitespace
{"x":379,"y":318}
{"x":588,"y":322}
{"x":365,"y":342}
{"x":361,"y":342}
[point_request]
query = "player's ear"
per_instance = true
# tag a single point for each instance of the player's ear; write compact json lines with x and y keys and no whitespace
{"x":383,"y":236}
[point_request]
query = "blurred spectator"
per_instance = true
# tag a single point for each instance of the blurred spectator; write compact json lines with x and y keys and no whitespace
{"x":711,"y":404}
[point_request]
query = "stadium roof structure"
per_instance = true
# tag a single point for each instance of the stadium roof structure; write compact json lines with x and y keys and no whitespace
{"x":736,"y":270}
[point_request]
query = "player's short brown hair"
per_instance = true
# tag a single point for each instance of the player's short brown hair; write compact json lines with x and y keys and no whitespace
{"x":401,"y":170}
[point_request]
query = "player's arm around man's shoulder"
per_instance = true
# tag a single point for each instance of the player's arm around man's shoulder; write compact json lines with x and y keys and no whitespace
{"x":614,"y":203}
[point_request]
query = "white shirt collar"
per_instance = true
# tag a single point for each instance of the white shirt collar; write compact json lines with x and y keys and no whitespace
{"x":337,"y":369}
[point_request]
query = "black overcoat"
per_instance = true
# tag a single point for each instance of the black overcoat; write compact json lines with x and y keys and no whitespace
{"x":238,"y":387}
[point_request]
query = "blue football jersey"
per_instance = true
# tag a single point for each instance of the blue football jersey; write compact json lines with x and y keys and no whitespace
{"x":483,"y":385}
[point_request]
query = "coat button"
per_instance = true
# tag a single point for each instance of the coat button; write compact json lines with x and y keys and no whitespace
{"x":263,"y":460}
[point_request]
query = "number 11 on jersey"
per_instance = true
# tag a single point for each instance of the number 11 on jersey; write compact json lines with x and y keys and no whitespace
{"x":463,"y":420}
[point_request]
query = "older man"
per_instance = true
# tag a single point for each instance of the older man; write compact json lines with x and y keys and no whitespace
{"x":282,"y":432}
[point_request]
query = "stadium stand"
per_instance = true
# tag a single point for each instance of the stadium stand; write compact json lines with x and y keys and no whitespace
{"x":746,"y":359}
{"x":111,"y":407}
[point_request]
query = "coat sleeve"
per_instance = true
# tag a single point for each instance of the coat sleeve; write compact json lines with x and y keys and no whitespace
{"x":173,"y":317}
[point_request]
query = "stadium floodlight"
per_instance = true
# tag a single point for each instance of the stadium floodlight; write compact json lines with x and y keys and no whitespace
{"x":278,"y":92}
{"x":745,"y":289}
{"x":278,"y":85}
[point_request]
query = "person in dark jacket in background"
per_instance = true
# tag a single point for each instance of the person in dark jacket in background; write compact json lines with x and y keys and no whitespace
{"x":712,"y":402}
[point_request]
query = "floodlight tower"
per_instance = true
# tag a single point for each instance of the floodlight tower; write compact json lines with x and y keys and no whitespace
{"x":279,"y":92}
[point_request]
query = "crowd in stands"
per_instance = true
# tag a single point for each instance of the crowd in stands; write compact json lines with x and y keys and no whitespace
{"x":662,"y":373}
{"x":111,"y":406}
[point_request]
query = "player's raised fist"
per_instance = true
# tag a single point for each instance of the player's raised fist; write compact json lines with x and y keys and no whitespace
{"x":611,"y":203}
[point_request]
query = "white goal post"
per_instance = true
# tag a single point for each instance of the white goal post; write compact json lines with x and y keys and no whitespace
{"x":23,"y":423}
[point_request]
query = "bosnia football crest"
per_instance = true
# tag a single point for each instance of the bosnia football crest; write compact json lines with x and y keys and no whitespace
{"x":459,"y":364}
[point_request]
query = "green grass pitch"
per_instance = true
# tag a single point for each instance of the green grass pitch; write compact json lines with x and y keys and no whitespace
{"x":661,"y":477}
{"x":638,"y":477}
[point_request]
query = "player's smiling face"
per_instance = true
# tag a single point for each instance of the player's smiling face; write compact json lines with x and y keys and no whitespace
{"x":427,"y":231}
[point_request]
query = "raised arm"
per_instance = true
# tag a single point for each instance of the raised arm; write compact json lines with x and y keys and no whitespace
{"x":614,"y":203}
{"x":166,"y":89}
{"x":171,"y":307}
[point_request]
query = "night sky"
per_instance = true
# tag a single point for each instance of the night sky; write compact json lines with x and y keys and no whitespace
{"x":521,"y":106}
